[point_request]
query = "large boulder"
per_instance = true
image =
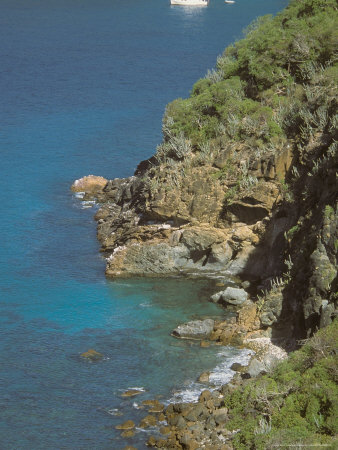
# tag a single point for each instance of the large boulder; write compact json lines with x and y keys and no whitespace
{"x":254,"y":369}
{"x":91,"y":184}
{"x":231,"y":295}
{"x":196,"y":329}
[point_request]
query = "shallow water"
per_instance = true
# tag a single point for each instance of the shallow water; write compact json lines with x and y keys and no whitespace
{"x":83,"y":89}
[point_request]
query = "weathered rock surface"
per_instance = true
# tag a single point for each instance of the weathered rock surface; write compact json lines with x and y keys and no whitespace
{"x":89,"y":184}
{"x":128,"y":425}
{"x":196,"y":329}
{"x":231,"y":296}
{"x":148,"y":421}
{"x":204,"y":377}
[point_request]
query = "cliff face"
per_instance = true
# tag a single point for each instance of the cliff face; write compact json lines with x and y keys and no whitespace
{"x":245,"y":180}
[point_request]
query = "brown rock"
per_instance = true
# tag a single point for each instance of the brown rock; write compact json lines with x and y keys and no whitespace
{"x":188,"y":442}
{"x":204,"y":377}
{"x":92,"y":355}
{"x":151,"y":441}
{"x":131,"y":393}
{"x":247,"y":317}
{"x":161,"y":417}
{"x":221,"y":415}
{"x":215,"y":335}
{"x":90,"y":184}
{"x":205,"y":396}
{"x":157,"y":408}
{"x":164,"y":430}
{"x":128,"y":434}
{"x":210,"y":404}
{"x":283,"y":162}
{"x":227,"y":335}
{"x":148,"y":421}
{"x":204,"y":344}
{"x":154,"y":406}
{"x":149,"y":402}
{"x":128,"y":425}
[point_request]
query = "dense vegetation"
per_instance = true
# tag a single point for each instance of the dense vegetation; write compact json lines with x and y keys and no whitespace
{"x":296,"y":405}
{"x":256,"y":93}
{"x":274,"y":89}
{"x":275,"y":85}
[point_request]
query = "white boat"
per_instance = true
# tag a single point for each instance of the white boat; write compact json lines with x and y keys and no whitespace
{"x":230,"y":2}
{"x":190,"y":2}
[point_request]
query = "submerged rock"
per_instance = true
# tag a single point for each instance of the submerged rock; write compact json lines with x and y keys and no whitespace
{"x":196,"y":329}
{"x":132,"y":393}
{"x":92,"y":355}
{"x":128,"y":434}
{"x":128,"y":425}
{"x":153,"y":406}
{"x":148,"y":421}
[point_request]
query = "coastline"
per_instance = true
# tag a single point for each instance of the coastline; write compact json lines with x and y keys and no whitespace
{"x":182,"y":423}
{"x":249,"y":192}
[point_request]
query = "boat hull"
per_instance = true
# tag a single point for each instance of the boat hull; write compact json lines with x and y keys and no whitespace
{"x":189,"y":2}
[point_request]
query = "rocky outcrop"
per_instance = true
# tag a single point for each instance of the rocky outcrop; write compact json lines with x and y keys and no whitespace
{"x":139,"y":240}
{"x":230,"y":296}
{"x":196,"y":329}
{"x":244,"y":182}
{"x":92,"y":355}
{"x":89,"y":184}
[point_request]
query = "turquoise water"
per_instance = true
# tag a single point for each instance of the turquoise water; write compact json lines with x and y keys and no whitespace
{"x":83,"y":88}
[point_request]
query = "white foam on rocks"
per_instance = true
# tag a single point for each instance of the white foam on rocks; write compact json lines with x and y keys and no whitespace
{"x":220,"y":375}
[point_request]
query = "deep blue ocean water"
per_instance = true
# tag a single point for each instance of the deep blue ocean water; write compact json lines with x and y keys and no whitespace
{"x":83,"y":88}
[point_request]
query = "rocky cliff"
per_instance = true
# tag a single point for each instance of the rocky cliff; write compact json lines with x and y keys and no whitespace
{"x":245,"y":180}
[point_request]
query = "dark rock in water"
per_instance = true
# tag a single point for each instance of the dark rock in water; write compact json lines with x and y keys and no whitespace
{"x":128,"y":434}
{"x":237,"y":367}
{"x":92,"y":355}
{"x":196,"y":329}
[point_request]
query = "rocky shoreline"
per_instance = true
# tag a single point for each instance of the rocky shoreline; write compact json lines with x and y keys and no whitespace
{"x":244,"y":184}
{"x":203,"y":423}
